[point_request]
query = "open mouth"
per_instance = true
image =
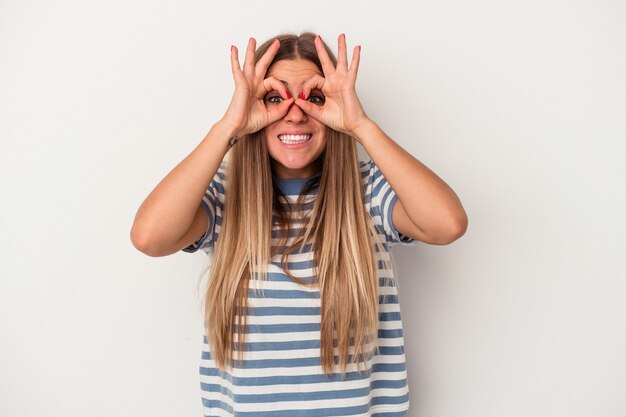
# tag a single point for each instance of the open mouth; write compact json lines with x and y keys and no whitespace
{"x":295,"y":139}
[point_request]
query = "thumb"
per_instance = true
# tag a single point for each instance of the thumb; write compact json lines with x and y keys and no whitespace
{"x":309,"y":108}
{"x":279,"y":111}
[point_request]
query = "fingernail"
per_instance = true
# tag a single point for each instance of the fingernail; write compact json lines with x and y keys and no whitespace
{"x":359,"y":48}
{"x":288,"y":95}
{"x":302,"y":95}
{"x":319,"y":36}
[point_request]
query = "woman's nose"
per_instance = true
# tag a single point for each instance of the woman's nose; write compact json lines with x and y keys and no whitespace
{"x":295,"y":113}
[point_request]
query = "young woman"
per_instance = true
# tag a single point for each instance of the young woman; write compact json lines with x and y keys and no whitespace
{"x":276,"y":193}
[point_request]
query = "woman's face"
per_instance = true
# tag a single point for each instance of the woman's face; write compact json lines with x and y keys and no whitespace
{"x":294,"y":155}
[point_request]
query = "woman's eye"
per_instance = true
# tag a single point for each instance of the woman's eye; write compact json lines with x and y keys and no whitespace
{"x":274,"y":99}
{"x":316,"y":99}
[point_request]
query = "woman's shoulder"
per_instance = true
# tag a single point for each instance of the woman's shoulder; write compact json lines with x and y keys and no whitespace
{"x":368,"y":170}
{"x":217,"y":186}
{"x":220,"y":175}
{"x":365,"y":165}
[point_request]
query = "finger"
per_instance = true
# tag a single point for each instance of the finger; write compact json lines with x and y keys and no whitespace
{"x":309,"y":108}
{"x":234,"y":64}
{"x":265,"y":61}
{"x":342,"y":58}
{"x":354,"y":65}
{"x":248,"y":64}
{"x":316,"y":81}
{"x":271,"y":83}
{"x":278,"y":112}
{"x":327,"y":65}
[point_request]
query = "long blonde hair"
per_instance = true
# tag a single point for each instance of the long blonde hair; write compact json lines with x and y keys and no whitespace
{"x":339,"y":229}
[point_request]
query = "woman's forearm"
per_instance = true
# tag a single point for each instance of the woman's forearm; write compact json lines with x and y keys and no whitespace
{"x":428,"y":201}
{"x":169,"y":210}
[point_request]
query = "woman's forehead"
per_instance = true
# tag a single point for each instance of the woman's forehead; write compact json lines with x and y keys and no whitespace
{"x":293,"y":70}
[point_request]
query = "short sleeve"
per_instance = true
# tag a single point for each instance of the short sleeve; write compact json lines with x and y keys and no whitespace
{"x":381,"y":199}
{"x":213,"y":203}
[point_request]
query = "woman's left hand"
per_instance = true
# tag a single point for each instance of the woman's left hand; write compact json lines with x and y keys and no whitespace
{"x":342,"y":110}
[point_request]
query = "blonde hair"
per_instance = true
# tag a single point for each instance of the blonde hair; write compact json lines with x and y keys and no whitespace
{"x":338,"y":227}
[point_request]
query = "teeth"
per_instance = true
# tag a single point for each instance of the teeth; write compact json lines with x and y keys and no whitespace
{"x":291,"y":139}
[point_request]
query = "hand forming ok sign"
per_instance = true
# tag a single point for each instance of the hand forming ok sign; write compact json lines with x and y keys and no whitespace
{"x":246,"y":112}
{"x":342,"y":110}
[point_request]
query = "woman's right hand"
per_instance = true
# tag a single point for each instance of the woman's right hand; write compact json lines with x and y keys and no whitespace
{"x":247,"y":112}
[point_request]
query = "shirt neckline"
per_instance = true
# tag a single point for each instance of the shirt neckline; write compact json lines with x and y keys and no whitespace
{"x":293,"y":186}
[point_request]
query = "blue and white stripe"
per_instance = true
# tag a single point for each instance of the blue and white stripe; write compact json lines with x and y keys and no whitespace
{"x":281,"y":374}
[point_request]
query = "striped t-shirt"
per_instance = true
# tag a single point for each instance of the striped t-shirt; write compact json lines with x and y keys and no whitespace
{"x":281,"y":375}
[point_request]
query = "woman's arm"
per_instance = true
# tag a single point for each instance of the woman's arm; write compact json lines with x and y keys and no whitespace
{"x":169,"y":211}
{"x":427,"y":208}
{"x":171,"y":217}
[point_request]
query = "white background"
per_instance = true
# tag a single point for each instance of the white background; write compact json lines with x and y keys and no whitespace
{"x":519,"y":106}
